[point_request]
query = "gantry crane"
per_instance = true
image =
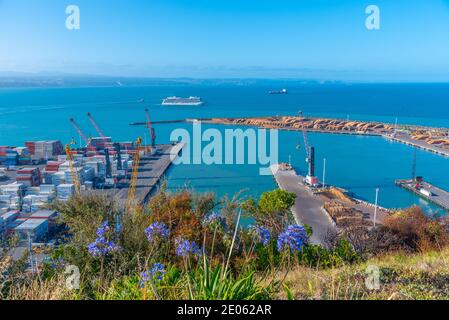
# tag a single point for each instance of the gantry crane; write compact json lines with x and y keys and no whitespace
{"x":133,"y":180}
{"x":69,"y":152}
{"x":151,"y":129}
{"x":82,"y":135}
{"x":311,"y":179}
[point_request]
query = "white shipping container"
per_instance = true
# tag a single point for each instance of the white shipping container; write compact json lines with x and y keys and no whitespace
{"x":65,"y":191}
{"x":47,"y":188}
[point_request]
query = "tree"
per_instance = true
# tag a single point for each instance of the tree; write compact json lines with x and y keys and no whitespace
{"x":276,"y":201}
{"x":274,"y":208}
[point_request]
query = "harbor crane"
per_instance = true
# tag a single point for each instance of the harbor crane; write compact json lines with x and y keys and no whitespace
{"x":151,"y":129}
{"x":80,"y":132}
{"x":97,"y":128}
{"x":310,"y":179}
{"x":133,"y":181}
{"x":69,"y":153}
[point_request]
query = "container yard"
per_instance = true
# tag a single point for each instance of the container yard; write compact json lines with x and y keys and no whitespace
{"x":40,"y":172}
{"x":30,"y":186}
{"x":38,"y":225}
{"x":48,"y":173}
{"x":27,"y":190}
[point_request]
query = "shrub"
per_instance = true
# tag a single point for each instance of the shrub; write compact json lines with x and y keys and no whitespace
{"x":407,"y":230}
{"x":416,"y":231}
{"x":317,"y":256}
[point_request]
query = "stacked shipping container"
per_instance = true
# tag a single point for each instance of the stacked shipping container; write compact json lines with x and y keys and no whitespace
{"x":29,"y":176}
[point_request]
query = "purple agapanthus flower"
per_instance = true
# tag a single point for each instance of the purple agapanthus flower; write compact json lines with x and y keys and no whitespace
{"x":185,"y":247}
{"x":213,"y":219}
{"x":156,"y":230}
{"x":103,"y":229}
{"x":157,"y":273}
{"x":262,"y":234}
{"x":58,"y":263}
{"x":294,"y":237}
{"x":101,"y":246}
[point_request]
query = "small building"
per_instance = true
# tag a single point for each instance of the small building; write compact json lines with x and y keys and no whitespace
{"x":35,"y":228}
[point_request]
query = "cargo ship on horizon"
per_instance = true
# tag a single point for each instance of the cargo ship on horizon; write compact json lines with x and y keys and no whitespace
{"x":283,"y":91}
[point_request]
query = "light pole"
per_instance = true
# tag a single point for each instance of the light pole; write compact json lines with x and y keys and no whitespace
{"x":324,"y":173}
{"x":375,"y":206}
{"x":30,"y":248}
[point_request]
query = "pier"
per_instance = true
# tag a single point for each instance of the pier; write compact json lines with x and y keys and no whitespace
{"x":308,"y":208}
{"x":151,"y":170}
{"x":310,"y":204}
{"x":427,"y":191}
{"x":139,"y":123}
{"x":406,"y":139}
{"x":333,"y":126}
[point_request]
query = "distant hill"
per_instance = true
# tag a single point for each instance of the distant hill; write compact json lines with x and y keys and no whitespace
{"x":52,"y":79}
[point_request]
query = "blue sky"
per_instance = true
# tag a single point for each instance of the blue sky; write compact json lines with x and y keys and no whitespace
{"x":323,"y":39}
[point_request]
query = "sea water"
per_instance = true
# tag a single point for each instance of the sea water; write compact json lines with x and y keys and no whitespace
{"x":358,"y":164}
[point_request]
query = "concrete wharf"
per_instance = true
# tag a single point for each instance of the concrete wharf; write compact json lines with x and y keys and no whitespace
{"x":152,"y":169}
{"x":431,"y":193}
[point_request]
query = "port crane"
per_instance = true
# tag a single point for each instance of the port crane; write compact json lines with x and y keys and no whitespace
{"x":311,"y":179}
{"x":151,"y":129}
{"x":133,"y":181}
{"x":69,"y":153}
{"x":97,"y":128}
{"x":80,"y":132}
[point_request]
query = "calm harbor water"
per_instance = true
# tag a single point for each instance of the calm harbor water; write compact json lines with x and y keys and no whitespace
{"x":358,"y":164}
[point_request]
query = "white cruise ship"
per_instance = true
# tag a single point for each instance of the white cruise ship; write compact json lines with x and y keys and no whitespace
{"x":177,"y":101}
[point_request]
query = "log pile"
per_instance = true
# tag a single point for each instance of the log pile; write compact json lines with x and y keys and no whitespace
{"x":436,"y":138}
{"x":330,"y":125}
{"x":345,"y":216}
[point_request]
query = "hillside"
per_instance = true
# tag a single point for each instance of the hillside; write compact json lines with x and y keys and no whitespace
{"x":402,"y":277}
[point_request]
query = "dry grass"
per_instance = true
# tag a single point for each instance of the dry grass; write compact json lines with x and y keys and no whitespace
{"x":51,"y":289}
{"x":402,"y":276}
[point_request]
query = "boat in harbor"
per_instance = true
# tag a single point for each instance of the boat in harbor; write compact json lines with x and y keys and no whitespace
{"x":177,"y":101}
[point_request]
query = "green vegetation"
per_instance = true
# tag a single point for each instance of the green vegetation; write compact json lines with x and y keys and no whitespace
{"x":187,"y":246}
